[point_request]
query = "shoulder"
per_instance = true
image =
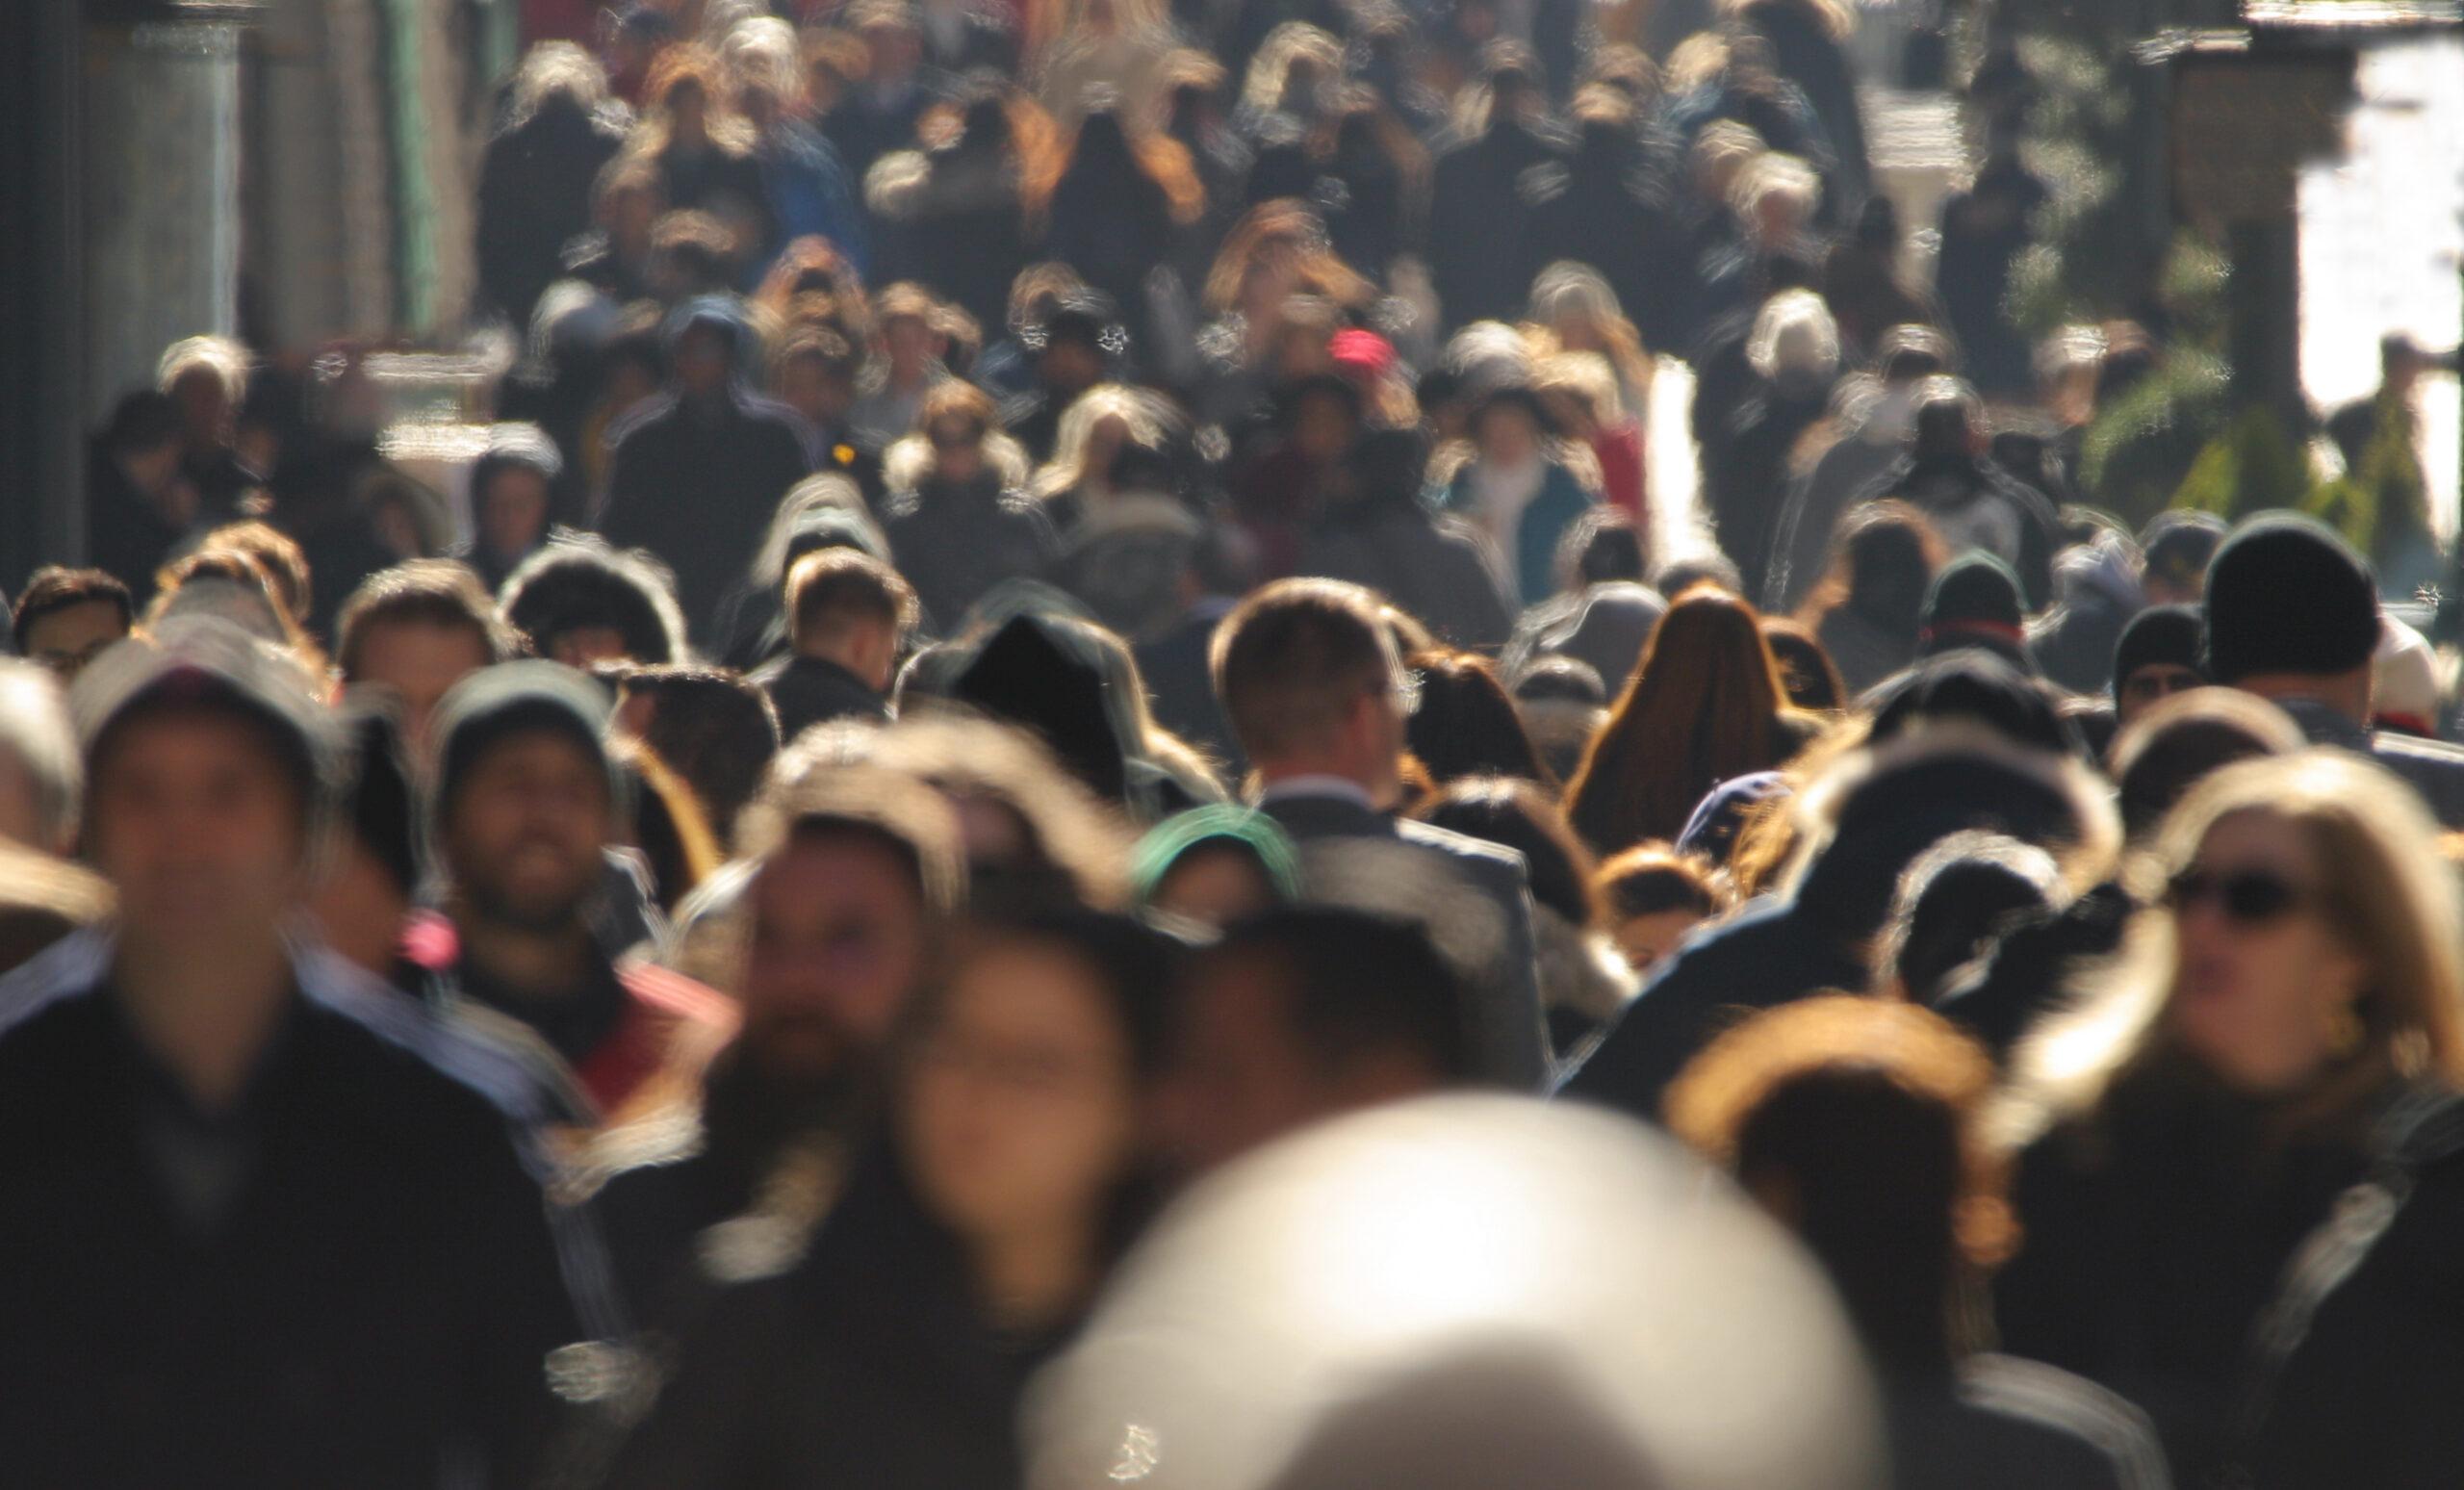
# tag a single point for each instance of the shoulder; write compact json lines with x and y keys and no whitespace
{"x":2059,"y":1406}
{"x":1474,"y":853}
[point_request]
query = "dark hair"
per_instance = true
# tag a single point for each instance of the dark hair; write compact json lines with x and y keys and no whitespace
{"x":830,"y":586}
{"x":1882,"y":561}
{"x":577,"y":582}
{"x":1603,"y":545}
{"x":1806,"y":668}
{"x":2179,"y":546}
{"x":1650,"y":879}
{"x":1710,"y":567}
{"x":1871,"y":1113}
{"x":1518,"y":815}
{"x":715,"y":728}
{"x":1289,"y":659}
{"x":145,"y":418}
{"x":1466,"y":724}
{"x":1358,"y":984}
{"x":1705,"y":705}
{"x":55,"y":588}
{"x":422,"y":591}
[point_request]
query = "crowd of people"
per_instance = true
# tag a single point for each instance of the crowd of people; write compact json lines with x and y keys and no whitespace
{"x":1056,"y":598}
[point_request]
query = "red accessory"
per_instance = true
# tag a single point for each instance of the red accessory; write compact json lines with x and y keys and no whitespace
{"x":1361,"y":356}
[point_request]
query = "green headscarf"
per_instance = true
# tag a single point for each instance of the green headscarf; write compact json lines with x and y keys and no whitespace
{"x":1171,"y":840}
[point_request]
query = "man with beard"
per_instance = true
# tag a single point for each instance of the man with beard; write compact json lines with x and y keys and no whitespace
{"x":526,"y":802}
{"x":855,"y":872}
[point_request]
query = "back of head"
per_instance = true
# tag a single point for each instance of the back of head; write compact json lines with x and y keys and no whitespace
{"x":1704,"y":706}
{"x":1465,"y":724}
{"x":1950,"y":902}
{"x":1859,"y":1118}
{"x":437,"y":593}
{"x":1950,"y":419}
{"x":1975,"y":687}
{"x":1974,"y":605}
{"x":1290,"y":659}
{"x":715,"y":728}
{"x":582,"y":583}
{"x":2186,"y":738}
{"x":1519,"y":815}
{"x":1357,"y":985}
{"x":2251,"y":628}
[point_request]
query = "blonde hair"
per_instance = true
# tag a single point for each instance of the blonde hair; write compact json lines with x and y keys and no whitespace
{"x":1133,"y":406}
{"x":1793,"y":332}
{"x":226,"y":359}
{"x":1770,"y":174}
{"x":1271,"y":69}
{"x":553,"y":68}
{"x":762,"y":50}
{"x":2383,"y":886}
{"x":1587,"y":378}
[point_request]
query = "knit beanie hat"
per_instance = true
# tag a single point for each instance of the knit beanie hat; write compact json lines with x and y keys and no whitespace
{"x":2160,"y":633}
{"x":2286,"y":595}
{"x":496,"y":704}
{"x":1975,"y":602}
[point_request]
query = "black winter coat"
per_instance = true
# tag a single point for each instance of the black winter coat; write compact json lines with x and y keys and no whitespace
{"x":698,"y":487}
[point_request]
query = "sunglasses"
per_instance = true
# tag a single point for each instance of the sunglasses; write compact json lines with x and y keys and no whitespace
{"x":2247,"y":897}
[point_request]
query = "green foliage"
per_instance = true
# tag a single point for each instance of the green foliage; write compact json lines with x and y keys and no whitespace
{"x":2254,"y":465}
{"x":2145,"y":442}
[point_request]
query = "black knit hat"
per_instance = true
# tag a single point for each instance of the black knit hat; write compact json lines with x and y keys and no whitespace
{"x":2160,"y":633}
{"x":1975,"y":602}
{"x":496,"y":704}
{"x":2286,"y":595}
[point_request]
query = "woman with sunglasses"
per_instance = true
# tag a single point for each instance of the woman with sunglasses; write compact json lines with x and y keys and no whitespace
{"x":2245,"y":1210}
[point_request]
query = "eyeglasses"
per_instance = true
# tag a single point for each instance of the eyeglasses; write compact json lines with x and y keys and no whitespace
{"x":2247,"y":897}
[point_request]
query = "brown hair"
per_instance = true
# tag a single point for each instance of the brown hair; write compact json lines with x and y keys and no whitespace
{"x":1285,"y":226}
{"x":1290,"y":660}
{"x":958,"y":399}
{"x":55,"y":588}
{"x":1466,"y":724}
{"x":277,"y":553}
{"x":1650,"y":879}
{"x":422,"y":591}
{"x":830,"y":586}
{"x":1705,"y":705}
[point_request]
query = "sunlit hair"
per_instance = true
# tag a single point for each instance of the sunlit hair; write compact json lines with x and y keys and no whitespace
{"x":1872,"y":1114}
{"x":1568,"y":295}
{"x":760,"y":52}
{"x":555,"y":70}
{"x":1285,"y":234}
{"x":680,"y":67}
{"x":1774,"y":174}
{"x":824,"y":489}
{"x":276,"y":553}
{"x":1651,"y":879}
{"x":37,"y":737}
{"x":1163,"y":161}
{"x":244,"y":570}
{"x":1705,"y":705}
{"x":226,"y":359}
{"x":1793,"y":333}
{"x":2160,"y":755}
{"x":1807,"y":672}
{"x":1139,"y":410}
{"x":1696,"y":62}
{"x":909,"y":461}
{"x":1262,"y":88}
{"x":1587,"y":378}
{"x":2382,"y":886}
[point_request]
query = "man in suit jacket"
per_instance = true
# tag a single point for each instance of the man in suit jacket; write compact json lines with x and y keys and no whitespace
{"x":1309,"y":677}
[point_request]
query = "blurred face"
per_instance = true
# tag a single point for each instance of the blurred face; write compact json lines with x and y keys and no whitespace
{"x":1647,"y":940}
{"x":65,"y":640}
{"x":528,"y":820}
{"x":198,"y":828}
{"x":690,"y":111}
{"x":1507,"y":436}
{"x":360,"y":910}
{"x":418,"y":661}
{"x":1070,"y":367}
{"x":2151,"y":685}
{"x":1021,"y":1110}
{"x":1242,"y":1077}
{"x":1214,"y":886}
{"x":630,"y":213}
{"x":701,"y":363}
{"x":2262,"y":977}
{"x":958,"y":450}
{"x":909,"y":343}
{"x":205,"y":408}
{"x":810,"y":388}
{"x":1322,"y":431}
{"x":1104,"y":442}
{"x":513,"y":512}
{"x":838,"y":940}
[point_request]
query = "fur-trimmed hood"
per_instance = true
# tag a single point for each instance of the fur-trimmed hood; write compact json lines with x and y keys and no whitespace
{"x":581,"y":580}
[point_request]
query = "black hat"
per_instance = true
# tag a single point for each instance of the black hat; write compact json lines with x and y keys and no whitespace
{"x":1973,"y":684}
{"x":2160,"y":633}
{"x":1975,"y":602}
{"x":2286,"y":595}
{"x":496,"y":704}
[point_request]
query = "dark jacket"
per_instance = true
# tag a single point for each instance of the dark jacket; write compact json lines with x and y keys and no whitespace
{"x":870,"y":1363}
{"x":1746,"y":473}
{"x":807,"y":691}
{"x":698,"y":487}
{"x":1509,"y":1039}
{"x":1434,"y":567}
{"x":1480,"y":217}
{"x":2432,"y":768}
{"x":536,"y":184}
{"x":955,"y":542}
{"x":1609,"y":208}
{"x":125,"y":534}
{"x":2016,"y":1425}
{"x":2163,"y":1226}
{"x":962,"y":230}
{"x":349,"y":1279}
